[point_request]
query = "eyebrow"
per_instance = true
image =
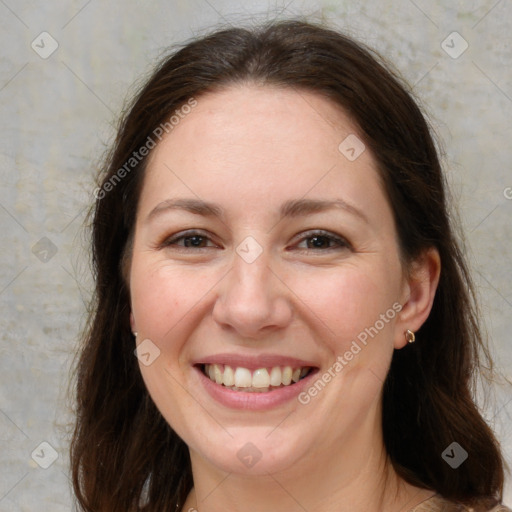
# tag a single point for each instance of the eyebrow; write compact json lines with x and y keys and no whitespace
{"x":291,"y":208}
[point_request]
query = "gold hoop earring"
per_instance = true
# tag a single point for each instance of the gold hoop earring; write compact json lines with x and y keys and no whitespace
{"x":410,"y":336}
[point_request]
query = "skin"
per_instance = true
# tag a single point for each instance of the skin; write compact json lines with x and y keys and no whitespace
{"x":249,"y":149}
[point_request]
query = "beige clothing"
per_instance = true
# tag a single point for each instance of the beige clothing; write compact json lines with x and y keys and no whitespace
{"x":438,"y":504}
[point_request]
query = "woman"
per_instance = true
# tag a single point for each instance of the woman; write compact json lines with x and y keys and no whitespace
{"x":272,"y":241}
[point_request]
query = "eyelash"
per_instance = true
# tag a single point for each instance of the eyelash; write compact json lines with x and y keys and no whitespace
{"x":341,"y":242}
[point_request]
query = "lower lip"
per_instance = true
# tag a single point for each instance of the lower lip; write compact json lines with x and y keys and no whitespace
{"x":256,"y":401}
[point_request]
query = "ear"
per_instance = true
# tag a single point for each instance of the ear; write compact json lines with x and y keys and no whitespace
{"x":418,"y":292}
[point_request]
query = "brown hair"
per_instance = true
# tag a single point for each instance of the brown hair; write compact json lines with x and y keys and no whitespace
{"x":124,"y":455}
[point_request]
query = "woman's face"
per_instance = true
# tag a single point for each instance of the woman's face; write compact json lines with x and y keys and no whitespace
{"x":265,"y":252}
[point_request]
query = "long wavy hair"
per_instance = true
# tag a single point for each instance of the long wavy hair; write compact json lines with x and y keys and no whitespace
{"x":124,"y":455}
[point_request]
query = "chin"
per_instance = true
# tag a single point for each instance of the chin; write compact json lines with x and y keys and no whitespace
{"x":251,"y":451}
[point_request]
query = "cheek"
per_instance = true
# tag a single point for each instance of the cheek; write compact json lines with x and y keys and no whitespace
{"x":349,"y":301}
{"x":164,"y":297}
{"x":167,"y":303}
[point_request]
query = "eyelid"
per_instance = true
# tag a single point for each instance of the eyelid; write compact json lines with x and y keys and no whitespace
{"x":171,"y":240}
{"x":341,"y":241}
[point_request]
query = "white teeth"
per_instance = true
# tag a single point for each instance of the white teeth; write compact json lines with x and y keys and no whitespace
{"x":228,"y":379}
{"x":243,"y":378}
{"x":275,"y":376}
{"x":261,"y":379}
{"x":286,"y":377}
{"x":217,"y":373}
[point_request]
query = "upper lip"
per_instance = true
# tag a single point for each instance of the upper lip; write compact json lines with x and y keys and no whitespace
{"x":254,"y":362}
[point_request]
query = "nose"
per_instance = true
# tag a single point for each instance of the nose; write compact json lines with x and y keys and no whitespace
{"x":252,"y":300}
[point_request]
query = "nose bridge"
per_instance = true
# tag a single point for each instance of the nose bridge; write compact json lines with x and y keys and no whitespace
{"x":251,"y":298}
{"x":251,"y":276}
{"x":251,"y":270}
{"x":249,"y":290}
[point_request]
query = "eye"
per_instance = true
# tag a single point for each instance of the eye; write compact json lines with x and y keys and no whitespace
{"x":320,"y":240}
{"x":188,"y":239}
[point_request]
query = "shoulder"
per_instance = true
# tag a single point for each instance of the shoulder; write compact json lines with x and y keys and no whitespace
{"x":439,"y":504}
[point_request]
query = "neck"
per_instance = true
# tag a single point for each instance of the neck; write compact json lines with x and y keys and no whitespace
{"x":355,"y":477}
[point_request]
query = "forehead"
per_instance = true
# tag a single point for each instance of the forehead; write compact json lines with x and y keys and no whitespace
{"x":260,"y":142}
{"x":269,"y":115}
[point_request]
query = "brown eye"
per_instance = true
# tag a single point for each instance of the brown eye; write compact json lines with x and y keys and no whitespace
{"x":191,"y":239}
{"x":323,"y":240}
{"x":319,"y":242}
{"x":194,"y":241}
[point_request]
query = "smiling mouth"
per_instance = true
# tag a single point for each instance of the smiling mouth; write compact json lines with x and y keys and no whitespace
{"x":261,"y":380}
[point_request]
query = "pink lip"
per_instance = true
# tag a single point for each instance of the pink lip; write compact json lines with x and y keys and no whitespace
{"x":253,"y":401}
{"x":253,"y":362}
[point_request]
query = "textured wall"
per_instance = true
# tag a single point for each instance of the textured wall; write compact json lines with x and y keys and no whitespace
{"x":57,"y":110}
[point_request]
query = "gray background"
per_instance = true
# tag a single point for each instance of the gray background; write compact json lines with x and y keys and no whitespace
{"x":56,"y":118}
